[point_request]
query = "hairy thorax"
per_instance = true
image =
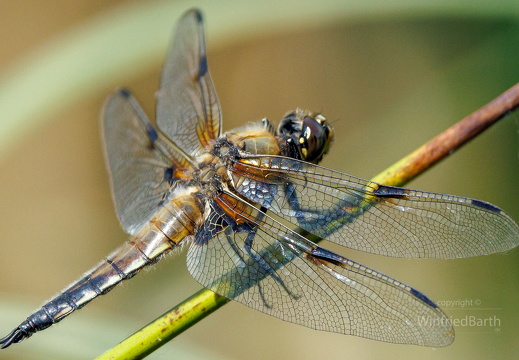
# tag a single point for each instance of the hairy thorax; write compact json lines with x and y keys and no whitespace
{"x":215,"y":172}
{"x":214,"y":166}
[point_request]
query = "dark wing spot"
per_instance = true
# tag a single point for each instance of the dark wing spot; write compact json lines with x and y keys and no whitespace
{"x":423,"y":298}
{"x":168,"y":174}
{"x":391,"y":191}
{"x":198,"y":16}
{"x":486,"y":206}
{"x":124,"y":93}
{"x":202,"y":67}
{"x":152,"y":133}
{"x":327,"y":255}
{"x":212,"y":226}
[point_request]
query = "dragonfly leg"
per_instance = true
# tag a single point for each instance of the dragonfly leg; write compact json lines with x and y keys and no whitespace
{"x":265,"y":266}
{"x":233,"y":246}
{"x":324,"y":223}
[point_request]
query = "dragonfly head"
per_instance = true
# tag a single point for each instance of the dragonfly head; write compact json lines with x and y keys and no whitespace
{"x":309,"y":132}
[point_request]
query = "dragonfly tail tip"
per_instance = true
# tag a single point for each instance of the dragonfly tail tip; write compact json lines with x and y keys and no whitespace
{"x":14,"y":336}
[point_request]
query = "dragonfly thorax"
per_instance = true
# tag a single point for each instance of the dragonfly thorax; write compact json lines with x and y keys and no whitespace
{"x":254,"y":138}
{"x":215,"y":166}
{"x":212,"y":171}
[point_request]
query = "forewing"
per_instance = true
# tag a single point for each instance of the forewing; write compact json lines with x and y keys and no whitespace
{"x":297,"y":281}
{"x":379,"y":219}
{"x":140,"y":162}
{"x":188,"y":111}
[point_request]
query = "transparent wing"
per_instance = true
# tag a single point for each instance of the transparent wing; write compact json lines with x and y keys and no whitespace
{"x":188,"y":111}
{"x":140,"y":163}
{"x":379,"y":219}
{"x":284,"y":275}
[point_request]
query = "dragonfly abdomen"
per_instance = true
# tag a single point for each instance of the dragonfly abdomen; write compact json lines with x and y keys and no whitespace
{"x":178,"y":219}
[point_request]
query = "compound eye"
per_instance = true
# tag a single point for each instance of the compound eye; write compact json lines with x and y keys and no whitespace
{"x":313,"y":140}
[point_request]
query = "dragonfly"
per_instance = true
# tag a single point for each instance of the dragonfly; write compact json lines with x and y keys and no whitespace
{"x":251,"y":201}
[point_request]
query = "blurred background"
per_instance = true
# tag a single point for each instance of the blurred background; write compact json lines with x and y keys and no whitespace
{"x":390,"y":77}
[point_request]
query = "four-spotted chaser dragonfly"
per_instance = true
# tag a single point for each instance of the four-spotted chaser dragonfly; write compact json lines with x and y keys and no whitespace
{"x":249,"y":201}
